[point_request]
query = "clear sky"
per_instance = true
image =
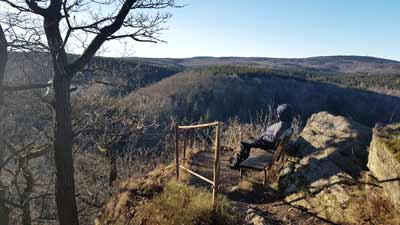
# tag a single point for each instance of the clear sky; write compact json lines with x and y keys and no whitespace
{"x":280,"y":28}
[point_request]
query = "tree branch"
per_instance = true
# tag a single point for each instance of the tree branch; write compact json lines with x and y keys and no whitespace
{"x":100,"y":38}
{"x":26,"y":87}
{"x":15,"y":6}
{"x":36,"y":8}
{"x":14,"y":152}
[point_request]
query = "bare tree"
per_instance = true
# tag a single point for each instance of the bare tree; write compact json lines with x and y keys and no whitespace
{"x":4,"y":211}
{"x":63,"y":26}
{"x":3,"y":61}
{"x":21,"y":170}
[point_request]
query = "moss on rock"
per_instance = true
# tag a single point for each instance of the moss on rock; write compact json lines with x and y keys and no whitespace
{"x":384,"y":159}
{"x":390,"y":138}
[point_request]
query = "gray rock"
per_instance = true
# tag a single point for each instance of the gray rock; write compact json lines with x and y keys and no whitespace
{"x":330,"y":146}
{"x":332,"y":152}
{"x":384,"y":160}
{"x":253,"y":217}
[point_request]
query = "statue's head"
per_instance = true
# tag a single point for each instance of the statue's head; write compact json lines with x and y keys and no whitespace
{"x":284,"y":112}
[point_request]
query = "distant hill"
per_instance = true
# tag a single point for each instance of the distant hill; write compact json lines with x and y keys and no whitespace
{"x":323,"y":64}
{"x":379,"y":75}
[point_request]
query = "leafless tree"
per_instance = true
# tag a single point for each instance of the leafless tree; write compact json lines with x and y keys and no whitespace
{"x":65,"y":23}
{"x":22,"y":178}
{"x":4,"y":211}
{"x":3,"y":61}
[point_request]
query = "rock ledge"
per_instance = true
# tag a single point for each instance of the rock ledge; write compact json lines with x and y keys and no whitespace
{"x":384,"y":160}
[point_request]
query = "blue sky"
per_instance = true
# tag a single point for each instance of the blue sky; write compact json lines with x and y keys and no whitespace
{"x":280,"y":28}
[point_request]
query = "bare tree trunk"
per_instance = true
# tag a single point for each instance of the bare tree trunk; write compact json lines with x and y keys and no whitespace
{"x":63,"y":136}
{"x":65,"y":185}
{"x":24,"y":198}
{"x":4,"y":211}
{"x":26,"y":206}
{"x":3,"y":61}
{"x":113,"y":170}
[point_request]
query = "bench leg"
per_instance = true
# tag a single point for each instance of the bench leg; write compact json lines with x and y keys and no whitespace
{"x":265,"y":177}
{"x":241,"y":174}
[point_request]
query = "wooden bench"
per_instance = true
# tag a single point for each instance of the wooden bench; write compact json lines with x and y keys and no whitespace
{"x":263,"y":161}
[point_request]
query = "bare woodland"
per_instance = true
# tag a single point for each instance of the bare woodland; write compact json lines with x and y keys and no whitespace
{"x":74,"y":125}
{"x":37,"y":165}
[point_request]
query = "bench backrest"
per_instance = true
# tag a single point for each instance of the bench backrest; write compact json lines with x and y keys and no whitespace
{"x":284,"y":138}
{"x":280,"y":144}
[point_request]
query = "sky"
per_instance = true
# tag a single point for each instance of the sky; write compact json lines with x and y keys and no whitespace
{"x":279,"y":28}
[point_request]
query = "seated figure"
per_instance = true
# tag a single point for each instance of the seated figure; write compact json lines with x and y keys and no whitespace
{"x":266,"y":140}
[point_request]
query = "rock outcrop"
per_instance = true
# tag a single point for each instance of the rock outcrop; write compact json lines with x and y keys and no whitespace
{"x":254,"y":217}
{"x":384,"y":160}
{"x":322,"y":173}
{"x":330,"y":147}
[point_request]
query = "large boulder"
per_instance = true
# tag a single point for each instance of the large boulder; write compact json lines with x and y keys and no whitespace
{"x":330,"y":147}
{"x":384,"y":159}
{"x":333,"y":152}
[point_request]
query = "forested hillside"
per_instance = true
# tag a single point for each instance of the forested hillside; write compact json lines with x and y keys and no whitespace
{"x":125,"y":74}
{"x":220,"y":93}
{"x":123,"y":111}
{"x":379,"y":75}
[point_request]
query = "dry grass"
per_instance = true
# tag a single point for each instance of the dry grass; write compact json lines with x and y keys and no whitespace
{"x":133,"y":192}
{"x":182,"y":204}
{"x":236,"y":131}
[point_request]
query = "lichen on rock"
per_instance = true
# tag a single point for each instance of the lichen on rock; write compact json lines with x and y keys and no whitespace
{"x":390,"y":137}
{"x":384,"y":160}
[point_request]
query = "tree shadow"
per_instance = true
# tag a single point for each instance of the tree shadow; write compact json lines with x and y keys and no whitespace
{"x":254,"y":193}
{"x":307,"y":211}
{"x":322,"y":164}
{"x":312,"y":174}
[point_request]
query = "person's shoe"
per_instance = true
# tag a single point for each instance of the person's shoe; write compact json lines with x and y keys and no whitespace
{"x":233,"y":163}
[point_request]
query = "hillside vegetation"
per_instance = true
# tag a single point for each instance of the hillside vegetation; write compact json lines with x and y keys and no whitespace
{"x":123,"y":112}
{"x":220,"y":93}
{"x":122,"y":74}
{"x":378,"y":75}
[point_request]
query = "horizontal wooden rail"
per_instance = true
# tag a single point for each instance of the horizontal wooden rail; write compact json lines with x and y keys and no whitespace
{"x":197,"y":175}
{"x":200,"y":125}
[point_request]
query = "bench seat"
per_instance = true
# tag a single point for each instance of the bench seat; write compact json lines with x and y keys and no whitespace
{"x":257,"y":162}
{"x":262,"y":161}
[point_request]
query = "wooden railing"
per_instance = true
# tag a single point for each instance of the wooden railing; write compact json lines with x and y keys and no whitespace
{"x":185,"y":129}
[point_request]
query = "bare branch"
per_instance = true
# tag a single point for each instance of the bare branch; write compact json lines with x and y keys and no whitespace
{"x":16,"y":6}
{"x":14,"y":152}
{"x":36,"y":8}
{"x":26,"y":87}
{"x":102,"y":36}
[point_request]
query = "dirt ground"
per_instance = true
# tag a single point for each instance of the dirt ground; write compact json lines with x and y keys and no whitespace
{"x":250,"y":193}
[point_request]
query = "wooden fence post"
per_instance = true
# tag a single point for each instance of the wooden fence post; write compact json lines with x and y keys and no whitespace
{"x":216,"y":166}
{"x":177,"y":151}
{"x":191,"y":138}
{"x":184,"y":144}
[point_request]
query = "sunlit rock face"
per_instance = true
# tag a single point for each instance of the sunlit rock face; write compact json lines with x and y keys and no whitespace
{"x":330,"y":147}
{"x":322,"y":174}
{"x":384,"y":160}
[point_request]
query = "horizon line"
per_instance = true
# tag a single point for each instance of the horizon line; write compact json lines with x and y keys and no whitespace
{"x":265,"y":57}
